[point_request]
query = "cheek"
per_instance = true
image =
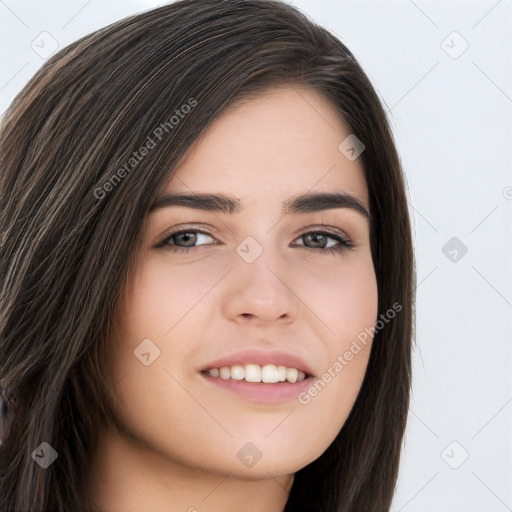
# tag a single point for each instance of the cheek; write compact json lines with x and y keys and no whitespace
{"x":344,"y":298}
{"x":346,"y":302}
{"x":153,"y":306}
{"x":160,"y":296}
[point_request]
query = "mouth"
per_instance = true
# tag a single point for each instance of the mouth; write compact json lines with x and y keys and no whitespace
{"x":252,"y":372}
{"x":260,"y":377}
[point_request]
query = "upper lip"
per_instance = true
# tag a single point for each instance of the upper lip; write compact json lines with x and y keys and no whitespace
{"x":261,"y":357}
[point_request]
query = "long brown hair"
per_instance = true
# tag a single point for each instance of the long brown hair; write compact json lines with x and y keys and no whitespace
{"x":68,"y":240}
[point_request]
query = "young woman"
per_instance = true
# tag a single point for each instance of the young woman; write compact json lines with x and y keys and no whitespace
{"x":207,"y":272}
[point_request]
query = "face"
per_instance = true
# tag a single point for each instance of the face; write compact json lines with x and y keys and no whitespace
{"x":264,"y":286}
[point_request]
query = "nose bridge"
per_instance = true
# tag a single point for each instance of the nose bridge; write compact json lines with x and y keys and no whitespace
{"x":261,"y":280}
{"x":260,"y":261}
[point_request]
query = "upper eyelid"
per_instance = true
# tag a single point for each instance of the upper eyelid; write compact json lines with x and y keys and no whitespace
{"x":209,"y":230}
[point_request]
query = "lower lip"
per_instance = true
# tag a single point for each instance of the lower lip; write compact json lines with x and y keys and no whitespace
{"x":262,"y":392}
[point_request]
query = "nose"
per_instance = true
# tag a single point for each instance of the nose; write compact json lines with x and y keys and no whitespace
{"x":261,"y":291}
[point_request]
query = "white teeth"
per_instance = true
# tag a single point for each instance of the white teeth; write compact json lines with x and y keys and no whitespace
{"x":237,"y":372}
{"x":292,"y":374}
{"x":252,"y":373}
{"x":269,"y":373}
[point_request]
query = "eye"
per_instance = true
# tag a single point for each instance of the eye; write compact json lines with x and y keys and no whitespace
{"x":321,"y":238}
{"x":186,"y":236}
{"x":183,"y":240}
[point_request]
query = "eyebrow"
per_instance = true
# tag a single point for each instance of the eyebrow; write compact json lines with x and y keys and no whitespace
{"x":306,"y":203}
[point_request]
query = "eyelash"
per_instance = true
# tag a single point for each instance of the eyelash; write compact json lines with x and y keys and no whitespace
{"x":343,"y":242}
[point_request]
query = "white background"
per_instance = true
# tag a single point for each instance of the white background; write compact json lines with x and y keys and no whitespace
{"x":451,"y":112}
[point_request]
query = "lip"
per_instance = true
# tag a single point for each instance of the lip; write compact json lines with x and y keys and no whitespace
{"x":261,"y":392}
{"x":262,"y":357}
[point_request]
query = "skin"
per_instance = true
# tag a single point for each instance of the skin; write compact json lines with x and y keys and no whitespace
{"x":178,"y":437}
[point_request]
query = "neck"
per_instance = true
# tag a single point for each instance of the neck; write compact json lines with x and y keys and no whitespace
{"x":126,"y":476}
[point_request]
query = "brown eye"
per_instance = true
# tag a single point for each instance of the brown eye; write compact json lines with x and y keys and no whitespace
{"x":318,"y":241}
{"x":182,"y":240}
{"x":188,"y":239}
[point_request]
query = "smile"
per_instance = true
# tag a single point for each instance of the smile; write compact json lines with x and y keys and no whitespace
{"x":269,"y":373}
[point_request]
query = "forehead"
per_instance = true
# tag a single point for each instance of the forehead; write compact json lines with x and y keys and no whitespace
{"x":281,"y":142}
